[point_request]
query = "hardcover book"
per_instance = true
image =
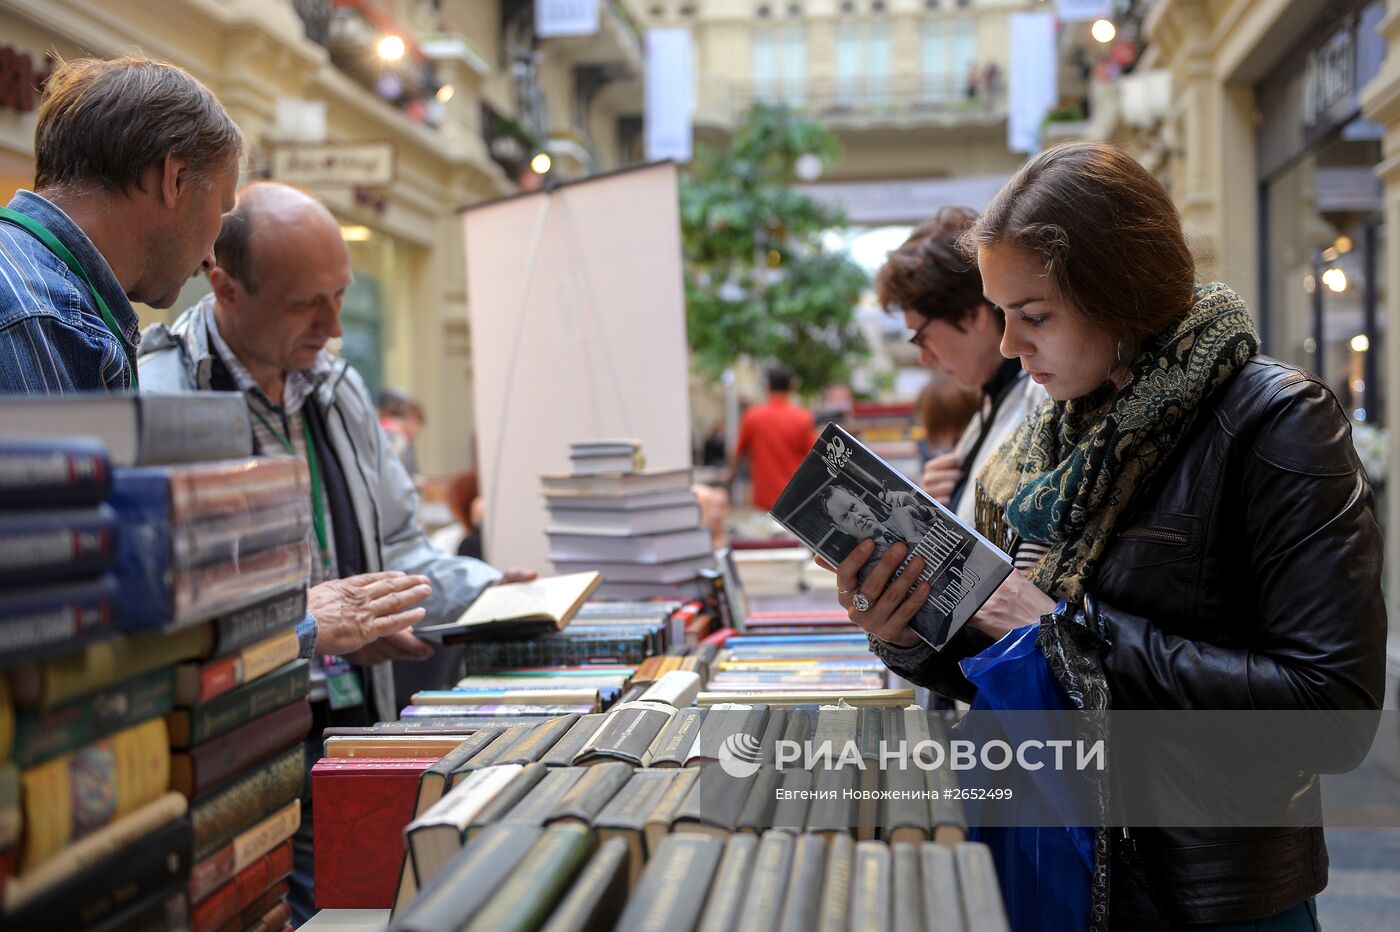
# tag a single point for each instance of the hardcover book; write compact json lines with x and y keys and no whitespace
{"x":520,"y":609}
{"x":843,"y":494}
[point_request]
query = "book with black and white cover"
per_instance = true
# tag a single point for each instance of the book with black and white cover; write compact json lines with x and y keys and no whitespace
{"x":843,"y":494}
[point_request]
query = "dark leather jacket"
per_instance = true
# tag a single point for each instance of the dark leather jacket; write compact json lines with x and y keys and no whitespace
{"x":1248,"y":577}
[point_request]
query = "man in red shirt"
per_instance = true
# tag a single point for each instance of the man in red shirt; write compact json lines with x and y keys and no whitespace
{"x":775,"y":436}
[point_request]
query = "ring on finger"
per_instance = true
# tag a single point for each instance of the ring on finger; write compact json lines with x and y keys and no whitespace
{"x":861,"y":602}
{"x":840,"y":591}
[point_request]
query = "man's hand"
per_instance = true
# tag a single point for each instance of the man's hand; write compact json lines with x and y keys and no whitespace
{"x":941,"y":475}
{"x":510,"y":576}
{"x":352,"y":612}
{"x":401,"y":645}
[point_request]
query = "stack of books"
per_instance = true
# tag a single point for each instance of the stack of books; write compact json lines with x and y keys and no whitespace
{"x":892,"y":432}
{"x":116,"y":828}
{"x":821,"y":668}
{"x":545,"y":623}
{"x":640,"y":530}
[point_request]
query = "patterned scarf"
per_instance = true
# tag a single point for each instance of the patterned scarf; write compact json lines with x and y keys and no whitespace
{"x":1071,"y":470}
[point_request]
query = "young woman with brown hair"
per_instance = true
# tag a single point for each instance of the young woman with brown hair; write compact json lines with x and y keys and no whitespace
{"x":1197,"y":508}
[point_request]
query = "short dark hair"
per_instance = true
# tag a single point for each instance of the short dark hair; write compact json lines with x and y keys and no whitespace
{"x":1108,"y":232}
{"x":928,"y":274}
{"x":779,"y":379}
{"x":107,"y":122}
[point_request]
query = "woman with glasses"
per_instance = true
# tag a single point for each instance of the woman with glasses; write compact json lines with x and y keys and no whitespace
{"x":958,"y":333}
{"x":1200,"y":514}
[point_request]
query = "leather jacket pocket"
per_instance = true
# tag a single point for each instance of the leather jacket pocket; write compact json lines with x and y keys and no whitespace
{"x":1158,"y":537}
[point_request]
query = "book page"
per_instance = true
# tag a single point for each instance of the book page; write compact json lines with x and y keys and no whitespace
{"x":550,"y":598}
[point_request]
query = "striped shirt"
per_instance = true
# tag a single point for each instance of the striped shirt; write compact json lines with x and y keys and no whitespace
{"x":52,"y":336}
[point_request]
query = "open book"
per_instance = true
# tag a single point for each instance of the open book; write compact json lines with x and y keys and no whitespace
{"x":523,"y":609}
{"x":843,"y":494}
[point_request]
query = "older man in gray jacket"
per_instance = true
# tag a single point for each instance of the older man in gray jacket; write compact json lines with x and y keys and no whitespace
{"x":281,"y":274}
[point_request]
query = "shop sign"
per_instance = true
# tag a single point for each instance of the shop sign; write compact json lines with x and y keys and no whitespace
{"x":340,"y":164}
{"x":1330,"y":76}
{"x":20,"y":79}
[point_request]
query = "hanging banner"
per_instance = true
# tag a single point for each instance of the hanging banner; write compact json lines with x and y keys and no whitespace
{"x":1078,"y":11}
{"x":557,"y":18}
{"x":669,"y":99}
{"x":1031,"y":89}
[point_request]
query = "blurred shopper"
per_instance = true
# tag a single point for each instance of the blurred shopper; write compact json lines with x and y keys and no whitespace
{"x":1201,"y":514}
{"x":135,"y":163}
{"x":775,"y":436}
{"x":958,"y":333}
{"x":463,"y":536}
{"x":280,"y":276}
{"x":401,"y":418}
{"x":945,"y":410}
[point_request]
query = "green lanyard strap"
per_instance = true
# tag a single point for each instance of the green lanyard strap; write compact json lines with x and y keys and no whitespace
{"x":44,"y":235}
{"x":318,"y":508}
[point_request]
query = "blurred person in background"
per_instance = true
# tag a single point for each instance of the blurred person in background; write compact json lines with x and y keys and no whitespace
{"x":958,"y":333}
{"x":774,"y":436}
{"x":945,"y":410}
{"x":463,"y":537}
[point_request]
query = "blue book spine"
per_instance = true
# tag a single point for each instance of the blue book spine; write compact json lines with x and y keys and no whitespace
{"x":53,"y":473}
{"x":141,"y":498}
{"x":68,"y":543}
{"x":56,"y":619}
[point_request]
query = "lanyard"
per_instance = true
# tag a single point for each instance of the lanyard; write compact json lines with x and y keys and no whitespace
{"x":318,"y":508}
{"x":44,"y":235}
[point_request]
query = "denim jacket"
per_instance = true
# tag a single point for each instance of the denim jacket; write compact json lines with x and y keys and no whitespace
{"x":52,"y":337}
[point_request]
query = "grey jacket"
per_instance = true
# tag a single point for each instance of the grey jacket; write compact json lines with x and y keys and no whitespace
{"x":178,"y":358}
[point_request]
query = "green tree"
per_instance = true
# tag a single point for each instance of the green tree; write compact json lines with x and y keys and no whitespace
{"x":758,"y":282}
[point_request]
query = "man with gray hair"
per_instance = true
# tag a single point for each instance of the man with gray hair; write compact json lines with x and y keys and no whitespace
{"x":135,"y":164}
{"x":281,"y":273}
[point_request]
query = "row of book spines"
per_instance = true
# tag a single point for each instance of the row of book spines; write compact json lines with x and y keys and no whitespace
{"x":29,"y":736}
{"x":243,"y":890}
{"x":136,"y":767}
{"x":53,"y":473}
{"x":778,"y":881}
{"x":560,"y":878}
{"x":206,"y":768}
{"x":61,"y":636}
{"x":42,"y":546}
{"x":240,"y":640}
{"x":653,"y":668}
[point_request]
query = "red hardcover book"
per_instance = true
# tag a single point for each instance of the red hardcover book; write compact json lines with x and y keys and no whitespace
{"x":263,"y":904}
{"x":719,"y":637}
{"x":238,"y":894}
{"x":361,"y":806}
{"x":212,"y":764}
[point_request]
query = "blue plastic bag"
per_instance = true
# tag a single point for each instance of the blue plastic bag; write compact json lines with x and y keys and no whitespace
{"x":1046,"y":872}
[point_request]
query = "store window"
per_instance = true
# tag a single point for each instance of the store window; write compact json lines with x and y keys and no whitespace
{"x":863,"y":62}
{"x":948,"y":52}
{"x":1326,"y":284}
{"x":780,"y":63}
{"x":1321,"y":215}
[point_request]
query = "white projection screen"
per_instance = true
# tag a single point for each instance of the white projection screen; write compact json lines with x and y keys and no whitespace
{"x":577,"y":332}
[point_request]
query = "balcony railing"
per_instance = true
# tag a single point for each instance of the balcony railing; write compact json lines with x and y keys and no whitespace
{"x":937,"y":99}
